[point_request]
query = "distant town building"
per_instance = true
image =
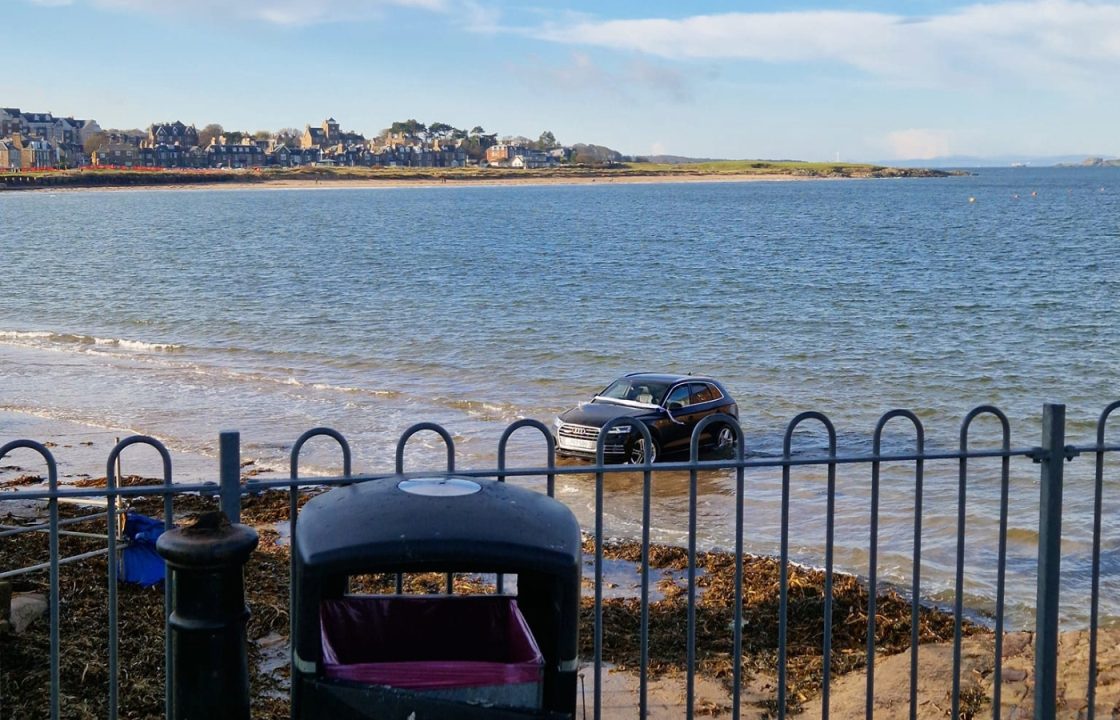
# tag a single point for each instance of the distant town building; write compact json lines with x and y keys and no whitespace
{"x":328,"y":134}
{"x":118,"y":154}
{"x":10,"y":155}
{"x":11,"y":121}
{"x":163,"y":155}
{"x":175,"y":133}
{"x":24,"y":153}
{"x":245,"y":154}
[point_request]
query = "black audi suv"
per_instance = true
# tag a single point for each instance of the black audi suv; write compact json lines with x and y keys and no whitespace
{"x":669,"y":405}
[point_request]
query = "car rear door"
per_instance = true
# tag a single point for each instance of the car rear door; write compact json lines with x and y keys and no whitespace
{"x":704,"y":398}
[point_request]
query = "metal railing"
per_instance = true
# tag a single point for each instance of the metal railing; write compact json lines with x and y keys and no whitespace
{"x":1052,"y":455}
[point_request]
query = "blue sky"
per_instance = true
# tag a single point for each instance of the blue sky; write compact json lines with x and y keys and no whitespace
{"x":806,"y":80}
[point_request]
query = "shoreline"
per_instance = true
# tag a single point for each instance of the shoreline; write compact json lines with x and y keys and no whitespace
{"x":400,"y":183}
{"x":367,"y":178}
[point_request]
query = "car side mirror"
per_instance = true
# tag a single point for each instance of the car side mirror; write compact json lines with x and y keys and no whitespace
{"x":676,"y":405}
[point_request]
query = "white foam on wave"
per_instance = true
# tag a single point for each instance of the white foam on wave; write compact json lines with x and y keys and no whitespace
{"x":62,"y":341}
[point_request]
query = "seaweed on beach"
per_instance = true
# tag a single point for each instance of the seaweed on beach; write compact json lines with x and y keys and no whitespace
{"x":715,"y":605}
{"x":24,"y":667}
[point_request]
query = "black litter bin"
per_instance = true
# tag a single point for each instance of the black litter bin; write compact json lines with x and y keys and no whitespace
{"x":435,"y":656}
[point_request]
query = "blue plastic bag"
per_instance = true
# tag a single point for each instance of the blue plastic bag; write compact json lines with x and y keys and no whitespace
{"x":140,"y":563}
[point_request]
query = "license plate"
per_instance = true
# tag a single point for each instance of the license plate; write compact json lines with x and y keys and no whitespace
{"x":576,"y":444}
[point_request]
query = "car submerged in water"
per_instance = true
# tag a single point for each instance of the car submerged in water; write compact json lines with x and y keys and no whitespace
{"x":670,"y":406}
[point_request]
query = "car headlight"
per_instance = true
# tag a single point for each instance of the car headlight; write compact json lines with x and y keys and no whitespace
{"x":620,"y":430}
{"x":557,"y":422}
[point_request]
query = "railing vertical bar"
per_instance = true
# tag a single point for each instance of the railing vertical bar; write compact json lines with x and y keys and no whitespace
{"x":643,"y":679}
{"x":111,"y":531}
{"x":783,"y":589}
{"x":872,"y":585}
{"x":690,"y":687}
{"x":229,"y":461}
{"x":783,"y":570}
{"x":916,"y":582}
{"x":1005,"y":489}
{"x":600,"y":461}
{"x":737,"y":649}
{"x":1094,"y":601}
{"x":56,"y":683}
{"x":53,"y":563}
{"x":598,"y":650}
{"x":112,"y":502}
{"x":293,"y":508}
{"x":958,"y":584}
{"x":168,"y":524}
{"x":1094,"y":595}
{"x":53,"y":602}
{"x":829,"y":545}
{"x":1049,"y":560}
{"x":550,"y":456}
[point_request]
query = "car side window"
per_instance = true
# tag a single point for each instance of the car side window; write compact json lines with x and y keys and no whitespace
{"x":702,"y":393}
{"x":679,"y":394}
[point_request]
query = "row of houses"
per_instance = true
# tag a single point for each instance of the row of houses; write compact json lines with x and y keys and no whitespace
{"x":520,"y":156}
{"x":41,"y":140}
{"x":45,"y":126}
{"x":254,"y":154}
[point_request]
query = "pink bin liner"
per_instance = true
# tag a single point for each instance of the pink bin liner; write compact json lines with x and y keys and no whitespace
{"x":428,"y":642}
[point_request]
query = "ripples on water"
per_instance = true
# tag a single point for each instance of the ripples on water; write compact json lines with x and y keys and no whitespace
{"x":182,"y":313}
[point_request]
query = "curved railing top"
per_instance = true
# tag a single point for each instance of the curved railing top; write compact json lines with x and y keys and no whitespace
{"x":419,"y":427}
{"x":52,"y":466}
{"x":919,"y":429}
{"x":1104,"y":421}
{"x":601,"y":443}
{"x":722,"y":419}
{"x":550,"y":443}
{"x":787,"y":440}
{"x":293,"y":465}
{"x":976,"y":412}
{"x":110,"y":464}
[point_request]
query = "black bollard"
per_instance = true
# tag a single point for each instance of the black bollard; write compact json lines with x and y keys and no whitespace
{"x":209,"y":657}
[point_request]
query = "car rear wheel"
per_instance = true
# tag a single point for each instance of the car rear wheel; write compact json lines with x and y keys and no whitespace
{"x":637,"y":453}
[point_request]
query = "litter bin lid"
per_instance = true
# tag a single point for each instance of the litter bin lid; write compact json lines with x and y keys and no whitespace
{"x":449,"y":486}
{"x":444,"y":523}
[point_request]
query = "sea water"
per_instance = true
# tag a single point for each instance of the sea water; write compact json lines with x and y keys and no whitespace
{"x":182,"y":313}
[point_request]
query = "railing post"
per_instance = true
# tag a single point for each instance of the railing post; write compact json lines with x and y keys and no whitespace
{"x":1052,"y":458}
{"x":209,"y":677}
{"x":229,"y":457}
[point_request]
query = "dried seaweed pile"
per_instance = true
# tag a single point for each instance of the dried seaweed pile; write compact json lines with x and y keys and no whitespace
{"x":715,"y":620}
{"x":24,"y":659}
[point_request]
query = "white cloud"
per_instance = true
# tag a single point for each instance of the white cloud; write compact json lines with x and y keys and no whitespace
{"x":919,"y":144}
{"x":1043,"y":42}
{"x":581,"y":74}
{"x":278,"y":12}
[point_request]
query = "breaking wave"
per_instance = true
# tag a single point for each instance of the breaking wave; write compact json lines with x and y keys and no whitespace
{"x":61,"y":341}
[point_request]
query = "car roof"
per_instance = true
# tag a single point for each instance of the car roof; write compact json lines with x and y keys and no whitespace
{"x":669,"y":377}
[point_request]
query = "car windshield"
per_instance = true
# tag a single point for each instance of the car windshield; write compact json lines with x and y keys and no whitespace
{"x":640,"y":390}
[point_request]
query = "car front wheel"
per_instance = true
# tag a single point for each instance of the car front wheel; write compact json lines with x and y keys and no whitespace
{"x":637,"y":453}
{"x":725,"y":439}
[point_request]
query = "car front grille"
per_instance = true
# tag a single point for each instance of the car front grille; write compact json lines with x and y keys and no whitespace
{"x":579,"y":432}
